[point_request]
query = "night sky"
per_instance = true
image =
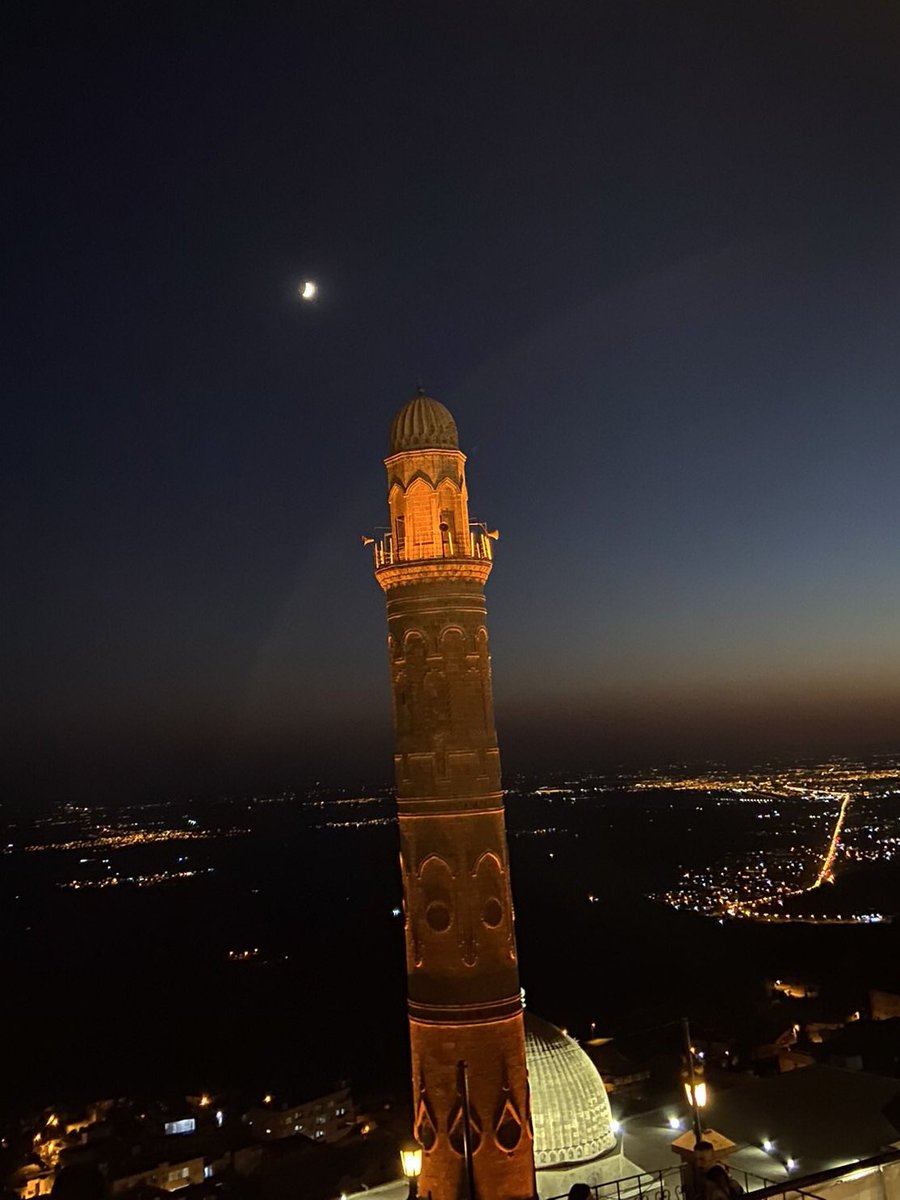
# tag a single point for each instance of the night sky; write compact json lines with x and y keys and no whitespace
{"x":647,"y":253}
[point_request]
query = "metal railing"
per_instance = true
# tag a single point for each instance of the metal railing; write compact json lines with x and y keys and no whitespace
{"x":664,"y":1184}
{"x":648,"y":1185}
{"x":476,"y":543}
{"x":800,"y":1185}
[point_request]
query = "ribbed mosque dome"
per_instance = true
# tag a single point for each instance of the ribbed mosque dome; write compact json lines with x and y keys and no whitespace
{"x":569,"y":1104}
{"x":423,"y":423}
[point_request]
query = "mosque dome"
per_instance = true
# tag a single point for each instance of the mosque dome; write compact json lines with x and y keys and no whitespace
{"x":569,"y":1105}
{"x":423,"y":424}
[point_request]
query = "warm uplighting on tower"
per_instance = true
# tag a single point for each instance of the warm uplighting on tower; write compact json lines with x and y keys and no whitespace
{"x":467,"y":1035}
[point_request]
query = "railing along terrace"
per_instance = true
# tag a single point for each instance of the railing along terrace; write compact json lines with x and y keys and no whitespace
{"x":476,"y":543}
{"x":886,"y":1164}
{"x":664,"y":1184}
{"x":667,"y":1184}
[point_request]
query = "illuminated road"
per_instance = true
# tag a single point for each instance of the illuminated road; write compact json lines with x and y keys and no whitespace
{"x":762,"y":907}
{"x":825,"y":875}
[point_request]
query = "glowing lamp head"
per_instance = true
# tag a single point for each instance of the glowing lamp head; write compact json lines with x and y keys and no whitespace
{"x":615,"y":1126}
{"x":267,"y":1098}
{"x":791,"y":1164}
{"x":411,"y":1160}
{"x":308,"y":290}
{"x":697,"y":1094}
{"x":768,"y":1145}
{"x":674,"y":1123}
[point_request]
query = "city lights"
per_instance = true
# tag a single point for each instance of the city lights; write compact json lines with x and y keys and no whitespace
{"x":821,"y":824}
{"x":153,"y":880}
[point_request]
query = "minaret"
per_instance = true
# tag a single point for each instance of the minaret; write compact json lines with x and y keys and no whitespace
{"x":464,"y":999}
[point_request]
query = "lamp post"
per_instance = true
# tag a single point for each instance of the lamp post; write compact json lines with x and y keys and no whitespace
{"x":696,"y":1093}
{"x":411,"y":1161}
{"x":462,"y":1078}
{"x":694,"y":1084}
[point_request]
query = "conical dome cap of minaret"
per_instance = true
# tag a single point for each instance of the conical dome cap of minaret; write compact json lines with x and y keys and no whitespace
{"x":423,"y":423}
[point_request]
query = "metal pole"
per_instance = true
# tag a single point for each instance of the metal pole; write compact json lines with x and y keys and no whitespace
{"x":462,"y":1080}
{"x":695,"y":1111}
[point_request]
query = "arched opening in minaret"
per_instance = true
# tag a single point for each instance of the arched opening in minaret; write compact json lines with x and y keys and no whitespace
{"x":420,"y":519}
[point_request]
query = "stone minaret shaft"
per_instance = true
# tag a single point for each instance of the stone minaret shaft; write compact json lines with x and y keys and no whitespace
{"x":464,"y":998}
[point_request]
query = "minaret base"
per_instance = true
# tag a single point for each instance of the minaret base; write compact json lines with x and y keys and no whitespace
{"x":494,"y":1054}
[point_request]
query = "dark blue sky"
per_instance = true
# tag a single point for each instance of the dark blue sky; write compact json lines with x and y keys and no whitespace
{"x":646,"y":252}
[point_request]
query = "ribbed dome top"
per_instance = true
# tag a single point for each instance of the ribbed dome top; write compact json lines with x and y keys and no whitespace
{"x":569,"y":1104}
{"x":423,"y":424}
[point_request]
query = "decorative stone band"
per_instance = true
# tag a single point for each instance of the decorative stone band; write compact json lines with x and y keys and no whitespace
{"x":433,"y":570}
{"x":456,"y":806}
{"x":466,"y":1014}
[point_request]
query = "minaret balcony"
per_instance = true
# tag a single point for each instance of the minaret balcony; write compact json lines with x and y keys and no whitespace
{"x":466,"y":557}
{"x":475,"y":545}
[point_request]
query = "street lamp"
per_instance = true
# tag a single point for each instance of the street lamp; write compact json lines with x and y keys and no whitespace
{"x":696,"y":1092}
{"x":411,"y":1161}
{"x":694,"y":1083}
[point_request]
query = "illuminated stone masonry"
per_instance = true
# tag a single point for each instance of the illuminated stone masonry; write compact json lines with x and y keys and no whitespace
{"x":464,"y":999}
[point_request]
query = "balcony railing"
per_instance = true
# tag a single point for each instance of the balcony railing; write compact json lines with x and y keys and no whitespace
{"x":661,"y":1185}
{"x":476,"y":543}
{"x":886,"y":1165}
{"x":667,"y":1185}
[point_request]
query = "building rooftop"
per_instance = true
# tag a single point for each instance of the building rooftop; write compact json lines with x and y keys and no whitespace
{"x":822,"y":1117}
